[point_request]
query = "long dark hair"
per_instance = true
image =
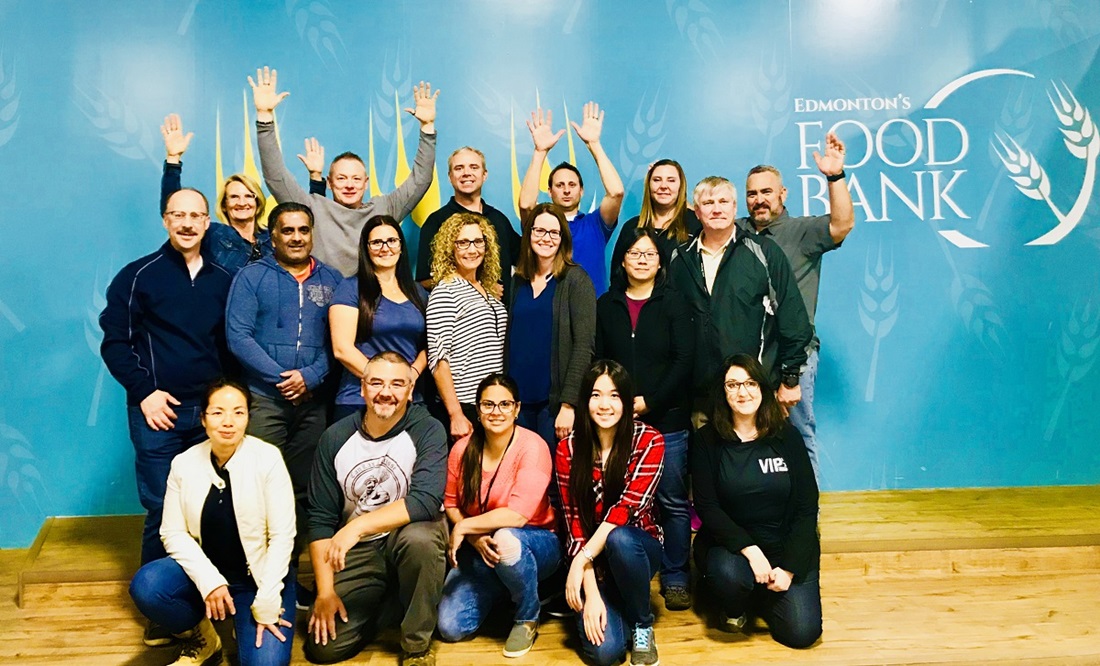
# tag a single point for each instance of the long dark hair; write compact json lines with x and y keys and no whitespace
{"x":586,"y":442}
{"x":634,"y":235}
{"x":769,"y":417}
{"x":469,"y":488}
{"x":528,"y":263}
{"x":370,"y":289}
{"x":677,"y":228}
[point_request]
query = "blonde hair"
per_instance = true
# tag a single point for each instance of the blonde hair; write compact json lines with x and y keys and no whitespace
{"x":711,"y":183}
{"x":475,"y":151}
{"x":261,"y":201}
{"x":443,"y":251}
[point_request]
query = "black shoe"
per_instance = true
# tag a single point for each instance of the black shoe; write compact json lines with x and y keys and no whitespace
{"x":556,"y":606}
{"x":735,"y":625}
{"x":677,"y":598}
{"x":157,"y":636}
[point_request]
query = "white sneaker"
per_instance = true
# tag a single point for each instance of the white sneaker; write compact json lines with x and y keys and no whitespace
{"x":201,"y":647}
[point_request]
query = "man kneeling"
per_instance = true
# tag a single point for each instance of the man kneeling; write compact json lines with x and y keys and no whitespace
{"x":374,"y":520}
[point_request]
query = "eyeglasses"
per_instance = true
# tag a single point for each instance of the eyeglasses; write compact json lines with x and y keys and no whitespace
{"x":488,"y":406}
{"x":751,"y":384}
{"x":180,"y":215}
{"x":635,"y":255}
{"x":377,"y":244}
{"x":466,"y":244}
{"x":221,"y":415}
{"x":539,"y":232}
{"x":377,"y":385}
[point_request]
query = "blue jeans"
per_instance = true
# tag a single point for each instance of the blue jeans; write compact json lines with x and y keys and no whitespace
{"x":473,"y":587}
{"x":794,"y":616}
{"x":153,"y":454}
{"x":163,"y":593}
{"x":802,"y":414}
{"x":672,"y":498}
{"x":632,"y":557}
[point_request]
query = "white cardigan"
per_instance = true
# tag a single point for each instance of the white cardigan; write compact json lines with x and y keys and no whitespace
{"x":263,"y":502}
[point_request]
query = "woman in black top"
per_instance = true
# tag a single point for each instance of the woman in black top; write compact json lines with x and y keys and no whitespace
{"x":645,"y":326}
{"x":755,"y":492}
{"x":664,"y":211}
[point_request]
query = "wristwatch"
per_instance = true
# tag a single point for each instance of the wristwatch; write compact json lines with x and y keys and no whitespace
{"x":835,"y":177}
{"x":790,"y":379}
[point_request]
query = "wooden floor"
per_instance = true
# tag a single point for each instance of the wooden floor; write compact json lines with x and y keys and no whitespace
{"x":989,"y":576}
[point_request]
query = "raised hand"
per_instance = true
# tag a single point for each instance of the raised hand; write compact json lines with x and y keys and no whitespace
{"x":265,"y":93}
{"x":314,"y":159}
{"x":175,"y":141}
{"x":832,"y":163}
{"x":424,"y":111}
{"x":542,"y":132}
{"x":591,"y":123}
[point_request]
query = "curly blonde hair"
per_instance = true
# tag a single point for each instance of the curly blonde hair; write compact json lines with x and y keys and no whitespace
{"x":443,"y":251}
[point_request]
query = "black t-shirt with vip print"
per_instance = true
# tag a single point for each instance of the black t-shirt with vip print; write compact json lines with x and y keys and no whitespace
{"x":754,"y":486}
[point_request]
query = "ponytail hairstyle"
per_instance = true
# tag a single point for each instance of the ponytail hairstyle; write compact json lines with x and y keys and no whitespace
{"x":586,"y":444}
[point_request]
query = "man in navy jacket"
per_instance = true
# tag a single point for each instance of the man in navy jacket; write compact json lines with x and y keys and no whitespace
{"x":276,"y":323}
{"x":164,"y":341}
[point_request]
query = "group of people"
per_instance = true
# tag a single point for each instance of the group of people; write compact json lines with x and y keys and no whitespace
{"x":293,"y":386}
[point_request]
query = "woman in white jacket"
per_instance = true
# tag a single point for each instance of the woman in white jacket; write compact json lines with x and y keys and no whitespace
{"x":228,"y":528}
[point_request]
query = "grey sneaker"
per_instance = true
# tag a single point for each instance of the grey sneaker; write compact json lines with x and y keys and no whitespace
{"x":677,"y":598}
{"x":521,"y":639}
{"x":643,"y":651}
{"x":735,"y":625}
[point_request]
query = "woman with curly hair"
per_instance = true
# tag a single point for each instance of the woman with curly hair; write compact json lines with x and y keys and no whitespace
{"x":466,"y":321}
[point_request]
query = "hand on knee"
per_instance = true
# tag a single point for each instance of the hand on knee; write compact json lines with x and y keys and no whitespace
{"x":508,"y":546}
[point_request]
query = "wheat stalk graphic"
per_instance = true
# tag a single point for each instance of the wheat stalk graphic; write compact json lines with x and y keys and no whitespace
{"x":1076,"y":354}
{"x":19,"y":473}
{"x":1082,"y":140}
{"x":644,"y":137}
{"x":118,"y":125}
{"x":317,"y":25}
{"x":93,"y":337}
{"x":9,"y":102}
{"x":1015,"y":119}
{"x":694,"y":20}
{"x":771,"y":108}
{"x":878,"y":309}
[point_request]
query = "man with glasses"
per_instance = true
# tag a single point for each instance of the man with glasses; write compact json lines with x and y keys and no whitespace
{"x":277,"y":327}
{"x":164,"y":341}
{"x":375,"y":528}
{"x":467,"y":173}
{"x":340,"y":219}
{"x":743,"y":296}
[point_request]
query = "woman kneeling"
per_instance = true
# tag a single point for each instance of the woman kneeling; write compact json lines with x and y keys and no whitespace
{"x":502,"y":543}
{"x":755,"y":492}
{"x":228,"y":528}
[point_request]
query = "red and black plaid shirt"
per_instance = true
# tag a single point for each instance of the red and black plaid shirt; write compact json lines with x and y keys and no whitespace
{"x":636,"y":506}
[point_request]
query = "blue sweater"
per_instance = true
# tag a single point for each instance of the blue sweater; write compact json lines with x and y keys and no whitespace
{"x":163,"y":330}
{"x":274,"y":324}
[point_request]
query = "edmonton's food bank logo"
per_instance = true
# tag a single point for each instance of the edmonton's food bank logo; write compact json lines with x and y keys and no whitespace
{"x":940,"y":142}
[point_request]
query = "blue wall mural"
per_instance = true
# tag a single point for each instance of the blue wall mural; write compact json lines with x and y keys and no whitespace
{"x":959,"y":322}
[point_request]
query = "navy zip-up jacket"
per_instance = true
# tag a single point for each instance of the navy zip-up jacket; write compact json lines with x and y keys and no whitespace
{"x":274,"y":324}
{"x":163,"y":330}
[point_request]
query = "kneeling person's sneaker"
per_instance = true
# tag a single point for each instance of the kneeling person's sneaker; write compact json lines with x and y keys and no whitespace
{"x":677,"y":598}
{"x":201,"y":647}
{"x":425,"y":658}
{"x":643,"y":652}
{"x":157,"y":636}
{"x":735,"y":625}
{"x":521,"y":639}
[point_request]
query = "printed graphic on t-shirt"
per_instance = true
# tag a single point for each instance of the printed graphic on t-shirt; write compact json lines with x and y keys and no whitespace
{"x":772,"y":465}
{"x":375,"y":483}
{"x":319,"y":294}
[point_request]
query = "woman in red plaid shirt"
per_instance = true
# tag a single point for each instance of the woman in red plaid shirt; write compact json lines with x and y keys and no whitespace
{"x":607,"y":472}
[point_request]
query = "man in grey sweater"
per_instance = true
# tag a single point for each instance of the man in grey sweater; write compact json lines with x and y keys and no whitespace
{"x":339,"y":220}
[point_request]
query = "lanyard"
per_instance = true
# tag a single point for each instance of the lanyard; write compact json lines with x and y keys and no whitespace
{"x":483,"y":502}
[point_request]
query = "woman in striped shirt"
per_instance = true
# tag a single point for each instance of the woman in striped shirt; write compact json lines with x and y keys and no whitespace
{"x":607,"y":472}
{"x":465,"y":319}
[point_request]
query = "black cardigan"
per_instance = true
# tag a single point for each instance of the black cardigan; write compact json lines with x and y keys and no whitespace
{"x":801,"y":545}
{"x":658,"y":354}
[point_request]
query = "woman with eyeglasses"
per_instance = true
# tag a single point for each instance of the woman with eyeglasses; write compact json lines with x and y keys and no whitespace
{"x":644,"y":325}
{"x":380,"y":308}
{"x":502,"y":539}
{"x":552,"y":324}
{"x":241,"y":204}
{"x":607,"y":472}
{"x":756,"y":494}
{"x":466,"y":322}
{"x":664,"y":211}
{"x":228,"y":528}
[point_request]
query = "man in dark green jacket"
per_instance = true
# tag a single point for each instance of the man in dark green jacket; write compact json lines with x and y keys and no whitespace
{"x":743,"y":296}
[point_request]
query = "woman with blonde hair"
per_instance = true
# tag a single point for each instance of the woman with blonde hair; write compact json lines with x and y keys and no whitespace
{"x":466,"y":322}
{"x":241,"y":205}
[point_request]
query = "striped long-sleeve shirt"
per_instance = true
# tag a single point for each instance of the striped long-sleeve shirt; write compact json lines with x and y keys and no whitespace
{"x":636,"y":505}
{"x":466,"y":329}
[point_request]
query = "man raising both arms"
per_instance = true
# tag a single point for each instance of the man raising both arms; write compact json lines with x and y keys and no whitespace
{"x":591,"y":231}
{"x":338,"y":221}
